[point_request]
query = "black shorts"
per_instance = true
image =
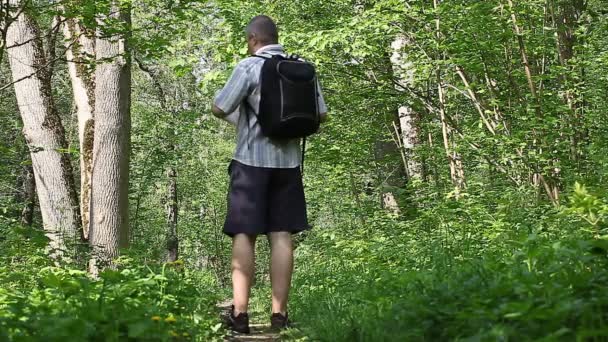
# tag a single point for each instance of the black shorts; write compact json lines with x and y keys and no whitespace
{"x":263,"y":200}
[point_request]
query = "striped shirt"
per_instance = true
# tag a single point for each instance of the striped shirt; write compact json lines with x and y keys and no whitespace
{"x":253,"y":148}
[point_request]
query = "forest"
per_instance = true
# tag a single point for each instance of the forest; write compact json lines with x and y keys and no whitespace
{"x":459,"y":191}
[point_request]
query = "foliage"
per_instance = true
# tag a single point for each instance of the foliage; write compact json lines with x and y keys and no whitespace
{"x":532,"y":279}
{"x":135,"y":301}
{"x":495,"y":260}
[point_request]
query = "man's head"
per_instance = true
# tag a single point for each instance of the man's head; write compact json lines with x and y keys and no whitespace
{"x":260,"y":32}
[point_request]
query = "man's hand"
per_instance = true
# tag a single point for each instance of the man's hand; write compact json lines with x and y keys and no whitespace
{"x":217,"y":112}
{"x":231,"y":118}
{"x":323,"y":117}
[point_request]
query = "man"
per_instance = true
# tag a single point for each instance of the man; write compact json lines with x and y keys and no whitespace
{"x":266,"y":194}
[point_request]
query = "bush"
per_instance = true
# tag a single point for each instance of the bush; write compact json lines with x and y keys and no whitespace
{"x":40,"y":302}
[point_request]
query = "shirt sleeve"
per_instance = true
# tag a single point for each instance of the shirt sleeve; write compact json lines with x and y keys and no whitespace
{"x":322,"y":105}
{"x":235,"y":90}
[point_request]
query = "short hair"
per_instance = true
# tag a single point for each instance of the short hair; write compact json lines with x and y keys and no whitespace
{"x":264,"y":29}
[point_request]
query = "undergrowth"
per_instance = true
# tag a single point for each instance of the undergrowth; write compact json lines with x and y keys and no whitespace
{"x":134,"y":302}
{"x":461,"y":270}
{"x":466,"y":270}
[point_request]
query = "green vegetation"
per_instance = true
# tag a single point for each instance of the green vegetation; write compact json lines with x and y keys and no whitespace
{"x":500,"y":228}
{"x":42,"y":302}
{"x":464,"y":271}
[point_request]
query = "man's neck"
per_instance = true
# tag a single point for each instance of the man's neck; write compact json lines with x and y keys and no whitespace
{"x":268,"y":47}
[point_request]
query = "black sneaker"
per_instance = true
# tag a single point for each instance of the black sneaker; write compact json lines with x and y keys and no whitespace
{"x":279,"y":321}
{"x":239,"y":323}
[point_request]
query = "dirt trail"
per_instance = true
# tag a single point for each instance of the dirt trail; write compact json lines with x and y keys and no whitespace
{"x":259,"y":331}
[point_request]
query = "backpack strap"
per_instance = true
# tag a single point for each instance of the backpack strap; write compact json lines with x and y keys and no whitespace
{"x":290,"y":57}
{"x":303,"y":155}
{"x":247,"y":108}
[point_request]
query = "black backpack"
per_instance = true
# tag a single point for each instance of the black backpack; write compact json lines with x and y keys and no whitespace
{"x":289,"y":105}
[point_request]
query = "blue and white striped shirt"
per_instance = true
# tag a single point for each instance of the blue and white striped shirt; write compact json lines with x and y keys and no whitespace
{"x":244,"y":85}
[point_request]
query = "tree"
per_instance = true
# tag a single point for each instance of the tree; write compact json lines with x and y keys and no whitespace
{"x":454,"y":158}
{"x":29,"y":195}
{"x":43,"y":129}
{"x":80,"y":50}
{"x":109,"y":221}
{"x":407,"y":123}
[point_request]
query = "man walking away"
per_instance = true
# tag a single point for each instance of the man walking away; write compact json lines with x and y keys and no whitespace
{"x":266,"y":194}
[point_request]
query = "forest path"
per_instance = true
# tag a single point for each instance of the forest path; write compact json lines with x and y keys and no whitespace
{"x":259,"y":331}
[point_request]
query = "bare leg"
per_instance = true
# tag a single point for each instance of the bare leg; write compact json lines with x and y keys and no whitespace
{"x":281,"y":269}
{"x":243,"y":264}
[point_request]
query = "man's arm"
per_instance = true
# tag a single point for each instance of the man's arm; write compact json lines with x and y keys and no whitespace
{"x":232,"y":118}
{"x":323,"y":117}
{"x":322,"y":106}
{"x":233,"y":94}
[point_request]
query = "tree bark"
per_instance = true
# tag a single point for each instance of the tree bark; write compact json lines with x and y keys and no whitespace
{"x":29,"y":196}
{"x":454,"y":159}
{"x":80,"y":50}
{"x":551,"y":182}
{"x":44,"y":132}
{"x":172,"y":211}
{"x":524,"y":57}
{"x":109,"y":220}
{"x":390,"y":174}
{"x":565,"y":16}
{"x":490,"y":125}
{"x":407,"y":121}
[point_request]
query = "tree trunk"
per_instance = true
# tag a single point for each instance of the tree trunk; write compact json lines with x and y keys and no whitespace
{"x":389,"y":173}
{"x":408,"y":121}
{"x":454,"y":159}
{"x":109,"y":221}
{"x":565,"y":15}
{"x":172,"y":209}
{"x":524,"y":58}
{"x":550,"y":183}
{"x":44,"y":132}
{"x":80,"y":49}
{"x":409,"y":128}
{"x":490,"y":125}
{"x":29,"y":196}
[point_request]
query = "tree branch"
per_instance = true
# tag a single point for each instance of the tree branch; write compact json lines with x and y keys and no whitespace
{"x":36,"y":72}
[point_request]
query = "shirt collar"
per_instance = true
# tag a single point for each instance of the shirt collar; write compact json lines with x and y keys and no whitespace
{"x":271,"y":48}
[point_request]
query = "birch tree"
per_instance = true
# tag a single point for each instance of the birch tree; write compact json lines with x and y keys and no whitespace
{"x":407,"y":123}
